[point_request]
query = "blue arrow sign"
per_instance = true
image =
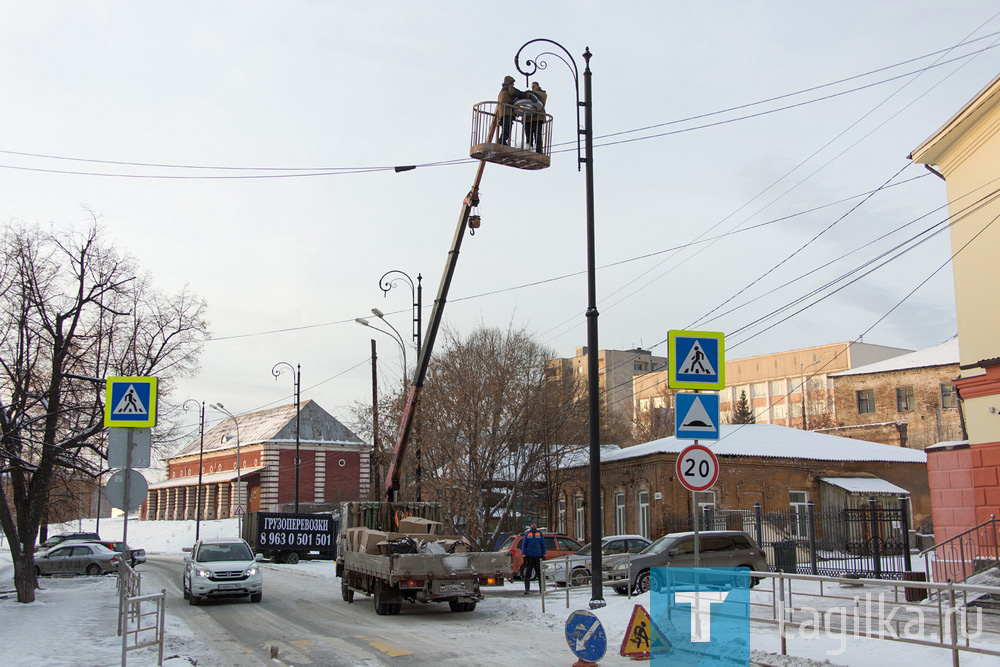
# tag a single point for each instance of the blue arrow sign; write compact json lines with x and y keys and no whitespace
{"x":585,"y":636}
{"x":697,"y":360}
{"x":696,"y":416}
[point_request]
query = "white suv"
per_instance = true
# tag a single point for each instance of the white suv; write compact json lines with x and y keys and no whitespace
{"x":222,"y":568}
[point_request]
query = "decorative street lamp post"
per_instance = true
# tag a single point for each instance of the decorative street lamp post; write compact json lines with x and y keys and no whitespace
{"x":417,"y":297}
{"x":297,"y":386}
{"x":593,"y":386}
{"x":201,"y":467}
{"x":239,"y":477}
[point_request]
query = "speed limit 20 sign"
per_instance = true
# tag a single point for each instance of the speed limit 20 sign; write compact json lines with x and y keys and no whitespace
{"x":697,"y":468}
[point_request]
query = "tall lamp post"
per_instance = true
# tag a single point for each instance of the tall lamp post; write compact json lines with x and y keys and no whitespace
{"x":417,"y":297}
{"x":396,"y":336}
{"x":239,"y":477}
{"x":532,"y":65}
{"x":297,"y":387}
{"x":201,"y":466}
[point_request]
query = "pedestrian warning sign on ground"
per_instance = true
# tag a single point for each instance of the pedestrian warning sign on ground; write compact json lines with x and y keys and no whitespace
{"x":130,"y":402}
{"x":696,"y":360}
{"x":642,"y":637}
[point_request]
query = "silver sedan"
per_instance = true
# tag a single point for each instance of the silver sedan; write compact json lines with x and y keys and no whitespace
{"x":90,"y":559}
{"x":576,"y":567}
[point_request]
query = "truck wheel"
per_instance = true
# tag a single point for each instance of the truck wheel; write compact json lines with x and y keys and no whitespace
{"x":382,"y":608}
{"x":346,"y":591}
{"x":394,"y":609}
{"x":456,"y":605}
{"x":470,"y":606}
{"x":292,"y":557}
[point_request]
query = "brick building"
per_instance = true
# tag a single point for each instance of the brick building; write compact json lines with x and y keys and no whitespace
{"x":909,"y":400}
{"x":965,"y":476}
{"x":334,"y":466}
{"x":781,"y":468}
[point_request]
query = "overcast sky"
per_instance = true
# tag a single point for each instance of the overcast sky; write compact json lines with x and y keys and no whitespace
{"x":329,"y":86}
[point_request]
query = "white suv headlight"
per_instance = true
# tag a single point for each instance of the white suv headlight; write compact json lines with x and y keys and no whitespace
{"x":251,"y":571}
{"x":201,"y":572}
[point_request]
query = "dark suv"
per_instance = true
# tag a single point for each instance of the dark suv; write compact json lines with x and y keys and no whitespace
{"x":731,"y":549}
{"x":76,"y":537}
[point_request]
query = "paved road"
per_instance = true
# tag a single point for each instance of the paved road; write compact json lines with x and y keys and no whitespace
{"x":305,"y":617}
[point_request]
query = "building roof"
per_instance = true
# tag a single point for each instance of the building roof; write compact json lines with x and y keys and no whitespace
{"x":945,"y":354}
{"x":316,"y":427}
{"x":207,"y":478}
{"x":931,"y":150}
{"x":864,"y":485}
{"x":774,"y":441}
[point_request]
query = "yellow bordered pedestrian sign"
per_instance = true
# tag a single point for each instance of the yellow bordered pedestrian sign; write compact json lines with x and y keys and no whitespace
{"x":697,"y":360}
{"x":642,"y":637}
{"x":130,"y":401}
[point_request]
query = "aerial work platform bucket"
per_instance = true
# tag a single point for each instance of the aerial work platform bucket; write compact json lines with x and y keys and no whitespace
{"x":511,"y":134}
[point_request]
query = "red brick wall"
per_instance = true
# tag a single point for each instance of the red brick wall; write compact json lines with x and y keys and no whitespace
{"x":343,"y":481}
{"x":953,"y":496}
{"x":286,"y":476}
{"x":214,"y":463}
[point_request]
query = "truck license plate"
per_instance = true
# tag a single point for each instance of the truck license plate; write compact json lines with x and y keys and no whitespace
{"x":229,"y":587}
{"x":453,"y":588}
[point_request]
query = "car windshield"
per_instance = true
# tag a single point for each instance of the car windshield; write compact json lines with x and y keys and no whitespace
{"x":508,"y":543}
{"x":213,"y":553}
{"x":584,"y":550}
{"x":659,"y":546}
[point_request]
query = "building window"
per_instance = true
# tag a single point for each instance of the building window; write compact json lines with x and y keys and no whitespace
{"x":949,"y":396}
{"x":644,"y":513}
{"x":866,"y":401}
{"x":562,"y":515}
{"x":776,"y":387}
{"x":904,"y":399}
{"x":637,"y":367}
{"x":798,"y":502}
{"x":620,"y":513}
{"x":580,"y":524}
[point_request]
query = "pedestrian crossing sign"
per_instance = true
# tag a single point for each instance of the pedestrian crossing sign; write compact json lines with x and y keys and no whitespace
{"x":697,"y":360}
{"x":642,"y":637}
{"x":130,"y":401}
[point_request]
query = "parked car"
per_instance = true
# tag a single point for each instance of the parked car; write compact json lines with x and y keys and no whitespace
{"x":718,"y":549}
{"x":555,"y":545}
{"x":77,"y":558}
{"x":576,"y":567}
{"x":64,"y":537}
{"x":136,"y":556}
{"x":222,"y":568}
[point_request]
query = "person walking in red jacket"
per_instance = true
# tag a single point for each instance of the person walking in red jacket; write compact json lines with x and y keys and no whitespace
{"x":533,"y":548}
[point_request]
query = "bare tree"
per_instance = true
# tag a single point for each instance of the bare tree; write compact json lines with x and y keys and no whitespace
{"x":72,"y":305}
{"x":493,"y":429}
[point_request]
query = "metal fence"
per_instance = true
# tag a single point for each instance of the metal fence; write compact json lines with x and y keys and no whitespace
{"x":871,"y":541}
{"x":145,"y":616}
{"x":963,"y":555}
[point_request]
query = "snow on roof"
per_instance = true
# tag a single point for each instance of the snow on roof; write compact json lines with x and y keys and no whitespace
{"x":316,"y":426}
{"x":939,"y":355}
{"x":208,"y":478}
{"x":864,"y":485}
{"x":771,"y":440}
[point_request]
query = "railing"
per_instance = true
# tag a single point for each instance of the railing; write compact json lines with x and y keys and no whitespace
{"x":511,"y":134}
{"x":866,"y":541}
{"x":129,"y":585}
{"x":968,"y":553}
{"x":146,"y":618}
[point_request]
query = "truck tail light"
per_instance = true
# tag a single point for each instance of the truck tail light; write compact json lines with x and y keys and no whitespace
{"x":489,"y":581}
{"x":411,"y":583}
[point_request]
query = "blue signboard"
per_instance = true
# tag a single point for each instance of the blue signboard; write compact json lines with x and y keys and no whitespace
{"x":697,"y":360}
{"x":130,"y":401}
{"x":585,"y":636}
{"x":696,"y":416}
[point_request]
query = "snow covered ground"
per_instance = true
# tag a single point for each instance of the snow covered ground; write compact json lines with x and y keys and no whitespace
{"x":73,"y":619}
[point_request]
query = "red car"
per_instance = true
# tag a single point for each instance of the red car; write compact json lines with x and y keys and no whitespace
{"x":556,"y":545}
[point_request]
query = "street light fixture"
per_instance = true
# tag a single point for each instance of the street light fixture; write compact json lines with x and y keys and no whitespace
{"x":397,"y":338}
{"x":201,"y":466}
{"x":297,"y":386}
{"x":416,"y":296}
{"x":593,"y":386}
{"x":239,"y":477}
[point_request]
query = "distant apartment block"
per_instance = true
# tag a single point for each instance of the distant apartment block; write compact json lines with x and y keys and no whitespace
{"x":615,"y":368}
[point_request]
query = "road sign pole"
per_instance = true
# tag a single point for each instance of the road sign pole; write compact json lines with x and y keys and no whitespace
{"x":694,"y":509}
{"x":129,"y":433}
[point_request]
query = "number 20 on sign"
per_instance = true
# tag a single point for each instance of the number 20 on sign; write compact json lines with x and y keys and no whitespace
{"x":697,"y":468}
